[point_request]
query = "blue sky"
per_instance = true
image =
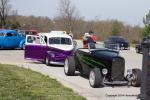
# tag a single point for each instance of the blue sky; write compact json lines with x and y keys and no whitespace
{"x":128,"y":11}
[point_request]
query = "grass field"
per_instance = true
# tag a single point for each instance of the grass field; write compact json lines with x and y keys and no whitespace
{"x":22,"y":84}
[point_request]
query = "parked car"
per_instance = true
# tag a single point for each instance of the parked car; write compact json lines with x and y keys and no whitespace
{"x":103,"y":66}
{"x":115,"y":42}
{"x":58,"y":32}
{"x":50,"y":48}
{"x":11,"y":39}
{"x":28,"y":32}
{"x":139,"y":47}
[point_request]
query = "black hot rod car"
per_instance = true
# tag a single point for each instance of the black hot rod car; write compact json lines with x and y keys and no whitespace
{"x":139,"y":47}
{"x":103,"y":66}
{"x":116,"y":42}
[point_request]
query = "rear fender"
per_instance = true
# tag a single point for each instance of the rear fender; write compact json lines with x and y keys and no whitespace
{"x":50,"y":54}
{"x":22,"y":43}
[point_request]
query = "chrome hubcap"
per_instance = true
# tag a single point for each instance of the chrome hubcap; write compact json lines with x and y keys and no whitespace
{"x":133,"y":79}
{"x":66,"y":66}
{"x":92,"y":78}
{"x":47,"y":60}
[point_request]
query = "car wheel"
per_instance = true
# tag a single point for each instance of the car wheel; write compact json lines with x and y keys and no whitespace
{"x":137,"y":51}
{"x":69,"y":66}
{"x":47,"y":61}
{"x":128,"y":48}
{"x":23,"y":46}
{"x":136,"y":77}
{"x":95,"y":78}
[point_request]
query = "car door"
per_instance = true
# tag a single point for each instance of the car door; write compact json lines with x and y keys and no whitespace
{"x":85,"y":60}
{"x":35,"y":48}
{"x":10,"y":40}
{"x":1,"y":39}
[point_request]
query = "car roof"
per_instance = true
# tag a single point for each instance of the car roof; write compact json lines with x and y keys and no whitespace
{"x":61,"y":32}
{"x":116,"y":37}
{"x":7,"y":31}
{"x":51,"y":34}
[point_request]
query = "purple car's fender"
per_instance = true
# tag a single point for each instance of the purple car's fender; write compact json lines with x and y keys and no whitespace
{"x":50,"y":55}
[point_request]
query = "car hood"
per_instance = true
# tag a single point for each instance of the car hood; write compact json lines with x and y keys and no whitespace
{"x":109,"y":55}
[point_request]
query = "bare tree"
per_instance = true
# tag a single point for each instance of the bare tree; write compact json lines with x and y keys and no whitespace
{"x":14,"y":15}
{"x":4,"y":9}
{"x":68,"y":14}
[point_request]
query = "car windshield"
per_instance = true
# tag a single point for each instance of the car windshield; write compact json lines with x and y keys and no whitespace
{"x":60,"y":40}
{"x":100,"y":45}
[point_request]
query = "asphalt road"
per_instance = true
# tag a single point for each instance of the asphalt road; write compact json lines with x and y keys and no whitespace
{"x":78,"y":83}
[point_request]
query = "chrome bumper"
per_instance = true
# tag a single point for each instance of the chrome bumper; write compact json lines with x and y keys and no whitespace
{"x":56,"y":63}
{"x":116,"y":83}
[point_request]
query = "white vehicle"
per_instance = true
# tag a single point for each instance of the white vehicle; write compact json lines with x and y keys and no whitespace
{"x":50,"y":48}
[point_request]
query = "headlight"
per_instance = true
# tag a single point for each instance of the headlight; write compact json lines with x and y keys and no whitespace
{"x":104,"y":71}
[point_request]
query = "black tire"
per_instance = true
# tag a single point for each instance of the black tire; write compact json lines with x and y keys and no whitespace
{"x":23,"y":47}
{"x":137,"y":51}
{"x":47,"y":61}
{"x":97,"y":80}
{"x":137,"y":77}
{"x":78,"y":65}
{"x":69,"y":66}
{"x":128,"y":48}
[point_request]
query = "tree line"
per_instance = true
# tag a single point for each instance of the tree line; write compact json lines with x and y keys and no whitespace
{"x":70,"y":20}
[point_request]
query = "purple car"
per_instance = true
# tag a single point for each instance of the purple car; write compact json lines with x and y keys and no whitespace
{"x":51,"y":48}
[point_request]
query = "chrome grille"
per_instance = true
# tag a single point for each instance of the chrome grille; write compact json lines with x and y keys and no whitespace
{"x":118,"y":67}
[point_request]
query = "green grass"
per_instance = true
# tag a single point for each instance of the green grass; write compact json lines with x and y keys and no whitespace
{"x":22,"y":84}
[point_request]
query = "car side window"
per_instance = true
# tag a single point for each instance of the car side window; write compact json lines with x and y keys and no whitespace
{"x":1,"y":34}
{"x":33,"y":39}
{"x":43,"y":42}
{"x":65,"y":41}
{"x":54,"y":40}
{"x":29,"y":39}
{"x":9,"y":34}
{"x":14,"y":34}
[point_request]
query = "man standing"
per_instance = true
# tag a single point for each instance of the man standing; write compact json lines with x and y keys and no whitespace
{"x":94,"y":37}
{"x":88,"y":41}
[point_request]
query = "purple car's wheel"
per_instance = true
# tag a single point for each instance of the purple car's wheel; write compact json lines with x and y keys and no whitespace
{"x":47,"y":61}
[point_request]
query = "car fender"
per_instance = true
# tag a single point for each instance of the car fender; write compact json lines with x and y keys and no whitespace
{"x":22,"y":42}
{"x":50,"y":54}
